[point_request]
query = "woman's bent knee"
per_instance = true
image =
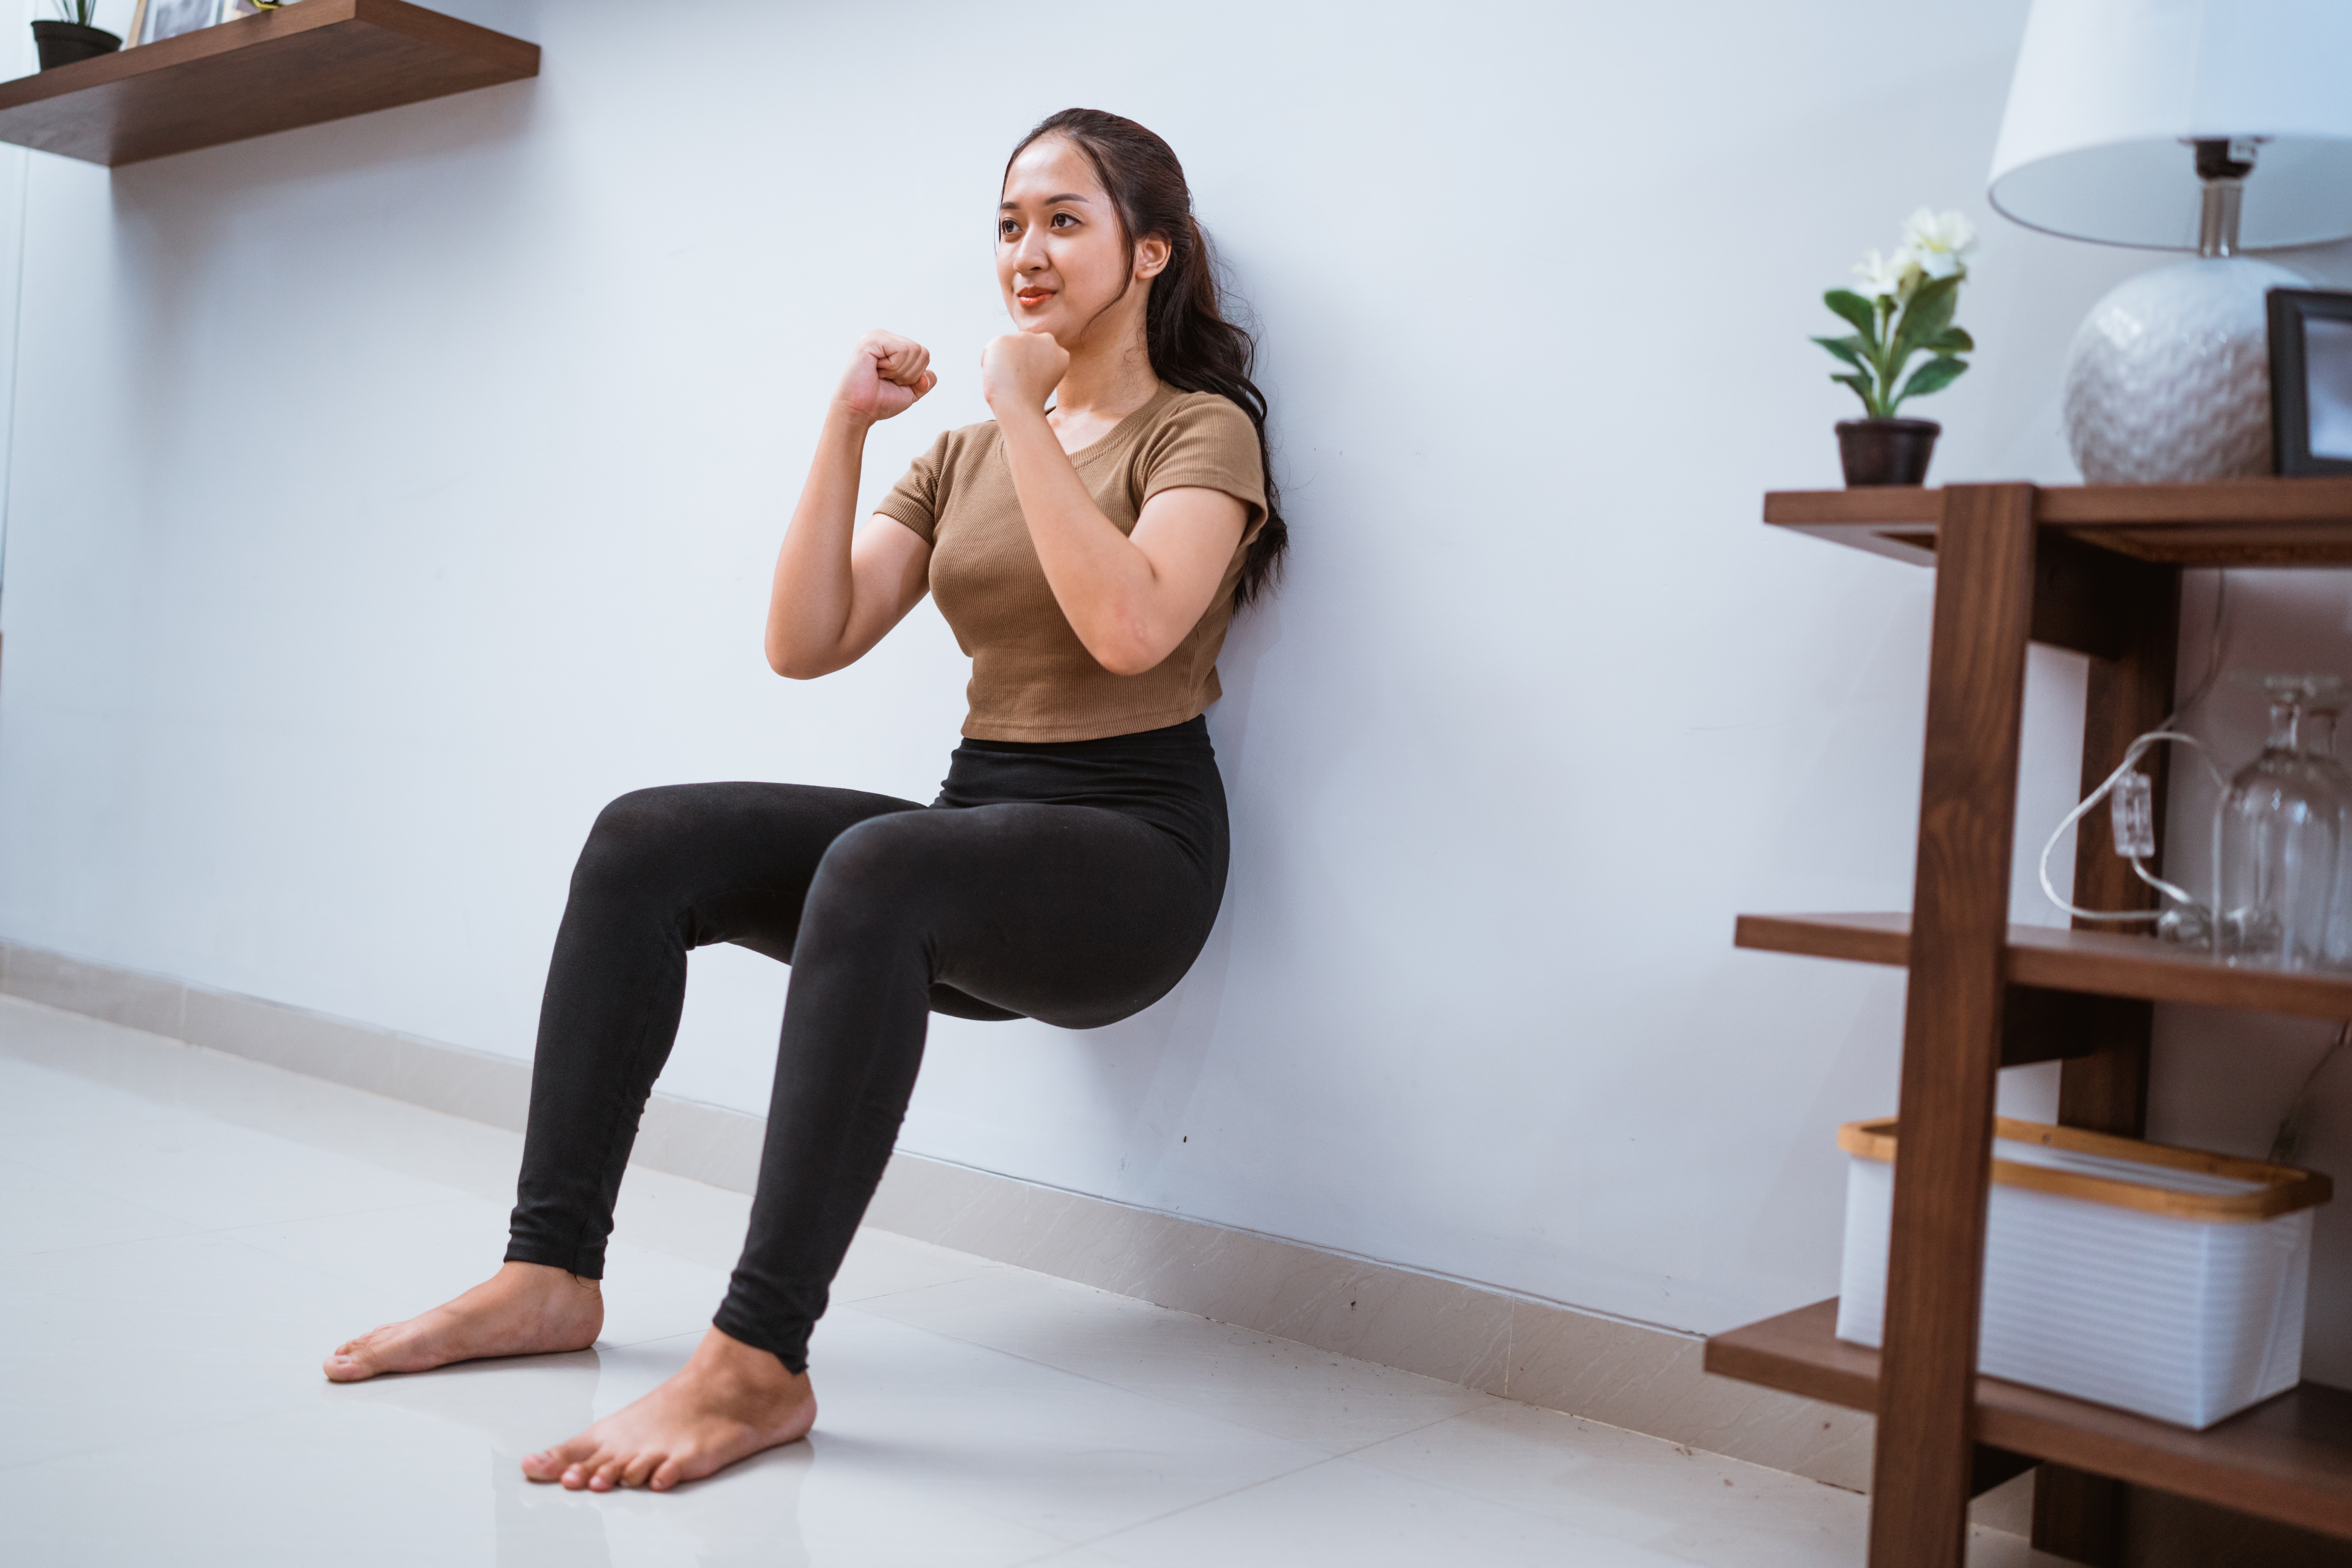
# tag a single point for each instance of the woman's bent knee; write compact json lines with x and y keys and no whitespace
{"x":637,"y":836}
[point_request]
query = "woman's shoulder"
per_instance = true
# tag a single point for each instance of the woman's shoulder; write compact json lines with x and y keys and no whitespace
{"x":1188,"y":421}
{"x":1203,"y":407}
{"x":965,"y":442}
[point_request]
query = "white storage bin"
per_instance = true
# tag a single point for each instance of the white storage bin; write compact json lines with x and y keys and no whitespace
{"x":2159,"y":1280}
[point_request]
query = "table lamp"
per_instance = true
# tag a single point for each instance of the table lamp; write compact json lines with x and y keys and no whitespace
{"x":2215,"y":126}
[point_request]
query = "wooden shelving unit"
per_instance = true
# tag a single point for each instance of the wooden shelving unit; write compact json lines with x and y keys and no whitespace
{"x":2289,"y":1458}
{"x":2093,"y":569}
{"x":304,"y":65}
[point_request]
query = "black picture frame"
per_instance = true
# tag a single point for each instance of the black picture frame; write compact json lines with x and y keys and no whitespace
{"x":2294,"y":356}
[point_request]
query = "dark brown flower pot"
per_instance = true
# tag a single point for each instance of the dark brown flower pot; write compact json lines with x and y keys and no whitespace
{"x":63,"y":43}
{"x":1887,"y":452}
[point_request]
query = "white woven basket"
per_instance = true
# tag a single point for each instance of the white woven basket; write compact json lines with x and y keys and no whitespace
{"x":2159,"y":1280}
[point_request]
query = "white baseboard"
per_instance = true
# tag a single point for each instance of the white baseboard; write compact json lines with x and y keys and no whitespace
{"x":1633,"y":1376}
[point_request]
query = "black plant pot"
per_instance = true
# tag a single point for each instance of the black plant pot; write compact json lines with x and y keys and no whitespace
{"x":1887,"y":452}
{"x":63,"y":43}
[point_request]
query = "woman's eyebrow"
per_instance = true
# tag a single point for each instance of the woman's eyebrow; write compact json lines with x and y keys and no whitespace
{"x":1050,"y":201}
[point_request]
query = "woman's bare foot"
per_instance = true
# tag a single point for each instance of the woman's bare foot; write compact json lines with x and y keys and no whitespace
{"x":525,"y":1309}
{"x":729,"y":1403}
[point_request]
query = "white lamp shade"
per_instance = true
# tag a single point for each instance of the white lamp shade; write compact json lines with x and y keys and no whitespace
{"x":2108,"y":92}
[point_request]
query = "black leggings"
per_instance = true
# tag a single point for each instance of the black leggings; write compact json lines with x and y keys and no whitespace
{"x":1073,"y":882}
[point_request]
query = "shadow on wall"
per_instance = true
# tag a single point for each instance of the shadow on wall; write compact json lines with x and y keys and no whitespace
{"x":193,"y":231}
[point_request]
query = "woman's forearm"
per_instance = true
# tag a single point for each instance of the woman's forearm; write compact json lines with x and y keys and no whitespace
{"x":814,"y":591}
{"x":1107,"y":588}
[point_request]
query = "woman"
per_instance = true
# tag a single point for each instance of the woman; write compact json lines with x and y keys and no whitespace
{"x":1089,"y":556}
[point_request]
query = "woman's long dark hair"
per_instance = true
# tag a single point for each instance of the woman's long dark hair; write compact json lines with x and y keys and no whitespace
{"x":1194,"y":348}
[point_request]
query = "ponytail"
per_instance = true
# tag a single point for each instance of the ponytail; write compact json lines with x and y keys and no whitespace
{"x":1193,"y":347}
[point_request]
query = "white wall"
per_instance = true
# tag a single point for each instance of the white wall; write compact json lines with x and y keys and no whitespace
{"x":388,"y":495}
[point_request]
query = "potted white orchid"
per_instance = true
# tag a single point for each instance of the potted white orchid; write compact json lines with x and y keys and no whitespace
{"x":1903,"y":308}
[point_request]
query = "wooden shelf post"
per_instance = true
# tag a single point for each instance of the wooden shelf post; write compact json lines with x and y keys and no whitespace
{"x":1952,"y":1025}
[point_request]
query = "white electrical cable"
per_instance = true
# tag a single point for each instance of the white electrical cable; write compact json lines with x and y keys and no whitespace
{"x":2220,"y":640}
{"x":2132,"y":755}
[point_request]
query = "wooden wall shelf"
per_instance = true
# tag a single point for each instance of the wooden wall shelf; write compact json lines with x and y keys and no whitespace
{"x":2244,"y":522}
{"x":307,"y":64}
{"x":2288,"y":1459}
{"x":2098,"y":963}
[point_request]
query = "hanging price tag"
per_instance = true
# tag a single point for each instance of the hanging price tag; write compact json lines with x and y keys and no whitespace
{"x":2132,"y":813}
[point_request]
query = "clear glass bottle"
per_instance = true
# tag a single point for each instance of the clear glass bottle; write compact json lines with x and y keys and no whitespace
{"x":2278,"y":838}
{"x":2324,"y":698}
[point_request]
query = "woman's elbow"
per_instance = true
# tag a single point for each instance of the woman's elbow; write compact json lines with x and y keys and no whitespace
{"x":1127,"y":650}
{"x":795,"y":663}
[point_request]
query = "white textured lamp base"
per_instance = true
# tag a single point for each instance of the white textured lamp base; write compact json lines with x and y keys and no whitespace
{"x":2169,"y":377}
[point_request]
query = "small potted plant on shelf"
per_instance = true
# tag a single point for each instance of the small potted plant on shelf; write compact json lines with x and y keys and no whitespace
{"x":1903,"y":308}
{"x":71,"y":37}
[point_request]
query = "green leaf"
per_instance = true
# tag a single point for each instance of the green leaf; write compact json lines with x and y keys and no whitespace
{"x":1856,"y":311}
{"x":1850,"y":349}
{"x":1934,"y":376}
{"x":1861,"y":384}
{"x":1925,"y":318}
{"x":1952,"y":341}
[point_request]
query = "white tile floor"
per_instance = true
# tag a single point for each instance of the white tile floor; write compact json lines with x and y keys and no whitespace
{"x":184,"y":1234}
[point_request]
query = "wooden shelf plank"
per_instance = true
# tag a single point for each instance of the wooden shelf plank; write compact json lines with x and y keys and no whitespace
{"x":2289,"y":1458}
{"x":303,"y":65}
{"x":2097,"y":963}
{"x":2242,"y":522}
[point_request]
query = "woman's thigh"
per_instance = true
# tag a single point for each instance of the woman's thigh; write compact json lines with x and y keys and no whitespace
{"x":1076,"y":915}
{"x":730,"y":862}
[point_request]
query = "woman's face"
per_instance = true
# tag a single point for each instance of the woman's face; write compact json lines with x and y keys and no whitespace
{"x":1064,"y":265}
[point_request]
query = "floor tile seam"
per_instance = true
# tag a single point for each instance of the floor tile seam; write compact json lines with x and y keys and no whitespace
{"x":1094,"y":1540}
{"x":192,"y":1231}
{"x":150,"y":1435}
{"x":342,"y":1213}
{"x":1193,"y":1410}
{"x":1421,"y":1427}
{"x":1710,"y":1507}
{"x":893,"y":1295}
{"x":320,"y":1143}
{"x":231,"y":1063}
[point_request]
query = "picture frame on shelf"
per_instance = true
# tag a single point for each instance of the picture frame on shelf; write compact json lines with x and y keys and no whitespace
{"x":2311,"y":380}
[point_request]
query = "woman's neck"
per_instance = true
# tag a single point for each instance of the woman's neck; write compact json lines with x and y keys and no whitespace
{"x":1101,"y":388}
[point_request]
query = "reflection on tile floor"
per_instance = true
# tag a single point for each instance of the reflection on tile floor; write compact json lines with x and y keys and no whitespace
{"x":184,"y":1234}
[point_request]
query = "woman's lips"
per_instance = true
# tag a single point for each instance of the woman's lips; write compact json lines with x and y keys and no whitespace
{"x":1034,"y":296}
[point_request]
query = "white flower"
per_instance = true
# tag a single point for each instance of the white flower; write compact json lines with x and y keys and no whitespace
{"x":1887,"y":276}
{"x":1938,"y":241}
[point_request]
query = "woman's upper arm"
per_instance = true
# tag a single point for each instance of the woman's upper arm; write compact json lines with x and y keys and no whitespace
{"x":889,"y":573}
{"x":1189,"y":534}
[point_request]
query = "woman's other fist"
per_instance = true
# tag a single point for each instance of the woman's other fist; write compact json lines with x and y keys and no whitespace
{"x":884,"y":377}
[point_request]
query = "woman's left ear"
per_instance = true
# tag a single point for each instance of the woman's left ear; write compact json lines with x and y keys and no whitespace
{"x":1152,"y":257}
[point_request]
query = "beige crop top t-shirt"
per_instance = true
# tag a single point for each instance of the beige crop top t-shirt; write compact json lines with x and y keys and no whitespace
{"x":1032,"y":679}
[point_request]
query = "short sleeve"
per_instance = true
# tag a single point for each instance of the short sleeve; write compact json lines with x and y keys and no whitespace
{"x":1209,"y":443}
{"x":915,"y":500}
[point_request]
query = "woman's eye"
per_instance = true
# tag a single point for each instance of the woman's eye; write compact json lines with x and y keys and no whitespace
{"x":1061,"y":218}
{"x":1004,"y":227}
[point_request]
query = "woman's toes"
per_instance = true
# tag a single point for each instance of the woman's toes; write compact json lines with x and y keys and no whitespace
{"x":637,"y":1471}
{"x":664,"y":1476}
{"x":575,"y":1477}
